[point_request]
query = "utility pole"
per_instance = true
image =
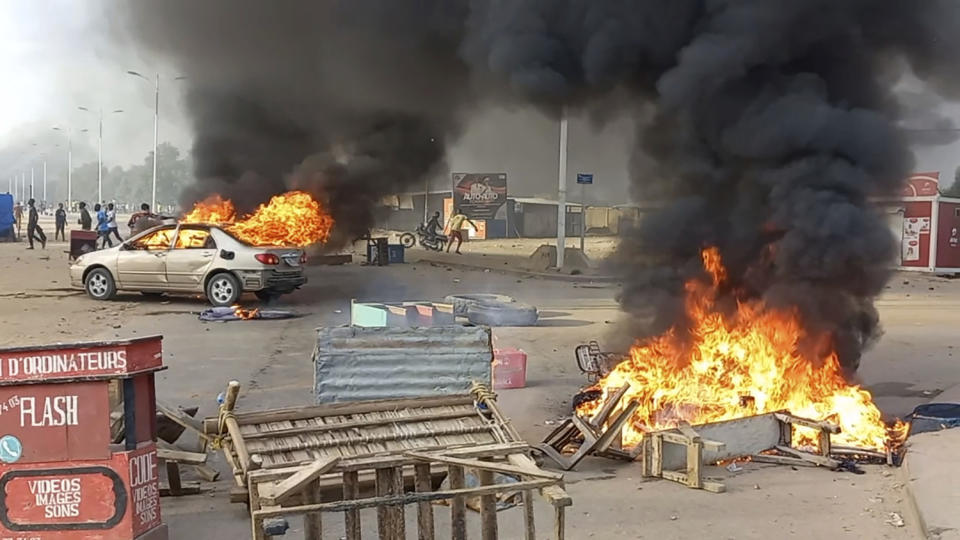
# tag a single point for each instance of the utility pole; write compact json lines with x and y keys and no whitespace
{"x":562,"y":191}
{"x":44,"y":178}
{"x":31,"y":181}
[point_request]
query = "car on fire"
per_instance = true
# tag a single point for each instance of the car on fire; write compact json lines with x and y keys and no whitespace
{"x":190,"y":258}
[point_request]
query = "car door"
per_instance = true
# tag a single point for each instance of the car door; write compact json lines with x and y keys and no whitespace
{"x":191,"y":256}
{"x":141,"y":263}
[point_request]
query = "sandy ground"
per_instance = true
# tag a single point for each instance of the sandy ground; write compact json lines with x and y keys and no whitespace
{"x":912,"y":362}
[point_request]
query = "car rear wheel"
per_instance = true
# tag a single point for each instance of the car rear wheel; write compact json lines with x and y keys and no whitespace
{"x":100,"y":284}
{"x":223,"y":289}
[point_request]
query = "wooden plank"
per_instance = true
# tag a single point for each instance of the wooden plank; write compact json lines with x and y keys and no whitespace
{"x":559,"y":522}
{"x":458,"y":506}
{"x":186,"y":488}
{"x":614,"y":430}
{"x":656,"y":460}
{"x":422,"y":484}
{"x":486,"y":465}
{"x":824,"y":440}
{"x":179,"y":417}
{"x":181,"y":456}
{"x":173,"y":477}
{"x":313,"y":521}
{"x":488,"y":507}
{"x":351,"y":517}
{"x":813,"y":458}
{"x":806,"y":422}
{"x":384,"y":517}
{"x":377,"y":438}
{"x":694,"y":462}
{"x":600,"y":418}
{"x":275,"y":493}
{"x":350,"y":408}
{"x":529,"y":527}
{"x":714,"y":487}
{"x":406,"y":498}
{"x":399,"y":520}
{"x":353,"y":424}
{"x":394,"y":460}
{"x":727,"y":439}
{"x":781,"y":460}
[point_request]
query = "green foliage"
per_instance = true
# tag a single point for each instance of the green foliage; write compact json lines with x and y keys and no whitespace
{"x":133,"y":184}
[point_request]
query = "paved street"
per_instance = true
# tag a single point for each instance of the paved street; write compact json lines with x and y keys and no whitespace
{"x":271,"y":359}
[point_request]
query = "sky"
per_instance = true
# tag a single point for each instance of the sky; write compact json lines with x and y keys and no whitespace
{"x":57,"y":55}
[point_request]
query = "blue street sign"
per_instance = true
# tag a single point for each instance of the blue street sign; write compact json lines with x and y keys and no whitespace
{"x":583,"y":178}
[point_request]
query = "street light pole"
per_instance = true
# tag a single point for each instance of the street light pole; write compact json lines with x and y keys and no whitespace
{"x":562,"y":191}
{"x":156,"y":132}
{"x":100,"y":151}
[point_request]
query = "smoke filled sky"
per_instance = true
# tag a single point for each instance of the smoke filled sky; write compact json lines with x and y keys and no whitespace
{"x":56,"y":55}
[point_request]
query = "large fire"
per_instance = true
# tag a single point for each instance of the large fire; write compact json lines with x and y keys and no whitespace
{"x":731,"y":366}
{"x":291,"y":219}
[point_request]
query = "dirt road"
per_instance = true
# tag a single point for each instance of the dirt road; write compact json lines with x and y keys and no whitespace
{"x":271,"y":359}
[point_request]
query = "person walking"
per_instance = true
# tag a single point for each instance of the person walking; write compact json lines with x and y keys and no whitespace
{"x":456,"y":224}
{"x":34,"y":231}
{"x":61,"y":222}
{"x":112,"y":222}
{"x":85,"y":221}
{"x":18,"y":216}
{"x":103,"y":226}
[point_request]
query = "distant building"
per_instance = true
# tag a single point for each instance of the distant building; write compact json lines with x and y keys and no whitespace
{"x":926,"y":226}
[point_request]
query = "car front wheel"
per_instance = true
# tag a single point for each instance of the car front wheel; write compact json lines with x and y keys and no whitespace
{"x":223,"y":289}
{"x":100,"y":284}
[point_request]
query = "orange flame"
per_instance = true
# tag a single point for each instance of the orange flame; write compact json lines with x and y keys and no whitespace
{"x":291,"y":219}
{"x":245,"y":314}
{"x":732,"y":366}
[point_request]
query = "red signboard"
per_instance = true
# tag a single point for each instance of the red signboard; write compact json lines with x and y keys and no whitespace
{"x":79,"y":360}
{"x":922,"y":185}
{"x":115,"y":499}
{"x":56,"y":422}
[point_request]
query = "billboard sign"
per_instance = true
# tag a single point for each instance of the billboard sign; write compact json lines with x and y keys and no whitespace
{"x":479,"y":195}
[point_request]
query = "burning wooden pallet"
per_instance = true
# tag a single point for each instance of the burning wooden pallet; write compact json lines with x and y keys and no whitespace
{"x":679,"y":454}
{"x":383,"y":454}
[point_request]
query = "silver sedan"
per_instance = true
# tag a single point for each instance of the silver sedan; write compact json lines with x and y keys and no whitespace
{"x":190,"y":258}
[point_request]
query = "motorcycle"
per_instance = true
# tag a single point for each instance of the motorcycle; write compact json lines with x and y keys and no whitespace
{"x":434,"y":242}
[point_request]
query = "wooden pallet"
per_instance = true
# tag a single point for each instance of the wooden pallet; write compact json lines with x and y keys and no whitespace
{"x":600,"y":435}
{"x":317,"y":459}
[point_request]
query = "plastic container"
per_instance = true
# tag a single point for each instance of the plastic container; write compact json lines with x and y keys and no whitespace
{"x":395,"y":253}
{"x":509,"y":368}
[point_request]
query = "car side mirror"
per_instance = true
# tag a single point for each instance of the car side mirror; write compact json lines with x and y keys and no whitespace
{"x":228,"y":255}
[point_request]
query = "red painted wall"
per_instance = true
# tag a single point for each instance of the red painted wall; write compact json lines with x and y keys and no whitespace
{"x":948,"y":236}
{"x":916,"y":209}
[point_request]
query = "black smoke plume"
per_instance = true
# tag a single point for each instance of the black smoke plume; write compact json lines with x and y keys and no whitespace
{"x":773,"y":127}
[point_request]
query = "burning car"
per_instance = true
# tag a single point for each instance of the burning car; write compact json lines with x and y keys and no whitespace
{"x":190,"y":258}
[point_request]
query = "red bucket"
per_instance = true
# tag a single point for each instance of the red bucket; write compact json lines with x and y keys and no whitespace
{"x":509,"y":368}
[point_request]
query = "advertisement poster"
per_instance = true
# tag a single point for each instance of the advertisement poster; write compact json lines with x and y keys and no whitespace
{"x":913,"y":227}
{"x":479,"y":195}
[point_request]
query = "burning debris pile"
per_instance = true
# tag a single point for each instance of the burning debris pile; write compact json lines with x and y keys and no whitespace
{"x":736,"y":361}
{"x":292,"y":219}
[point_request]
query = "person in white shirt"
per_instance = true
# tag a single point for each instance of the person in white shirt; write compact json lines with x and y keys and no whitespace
{"x":112,"y":222}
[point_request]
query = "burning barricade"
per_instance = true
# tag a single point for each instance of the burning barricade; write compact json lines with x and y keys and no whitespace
{"x":726,"y":366}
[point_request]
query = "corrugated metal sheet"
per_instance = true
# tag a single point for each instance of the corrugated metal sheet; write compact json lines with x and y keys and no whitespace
{"x":354,"y":363}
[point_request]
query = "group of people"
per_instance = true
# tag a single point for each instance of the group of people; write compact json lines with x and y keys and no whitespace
{"x":106,"y":225}
{"x":455,"y":224}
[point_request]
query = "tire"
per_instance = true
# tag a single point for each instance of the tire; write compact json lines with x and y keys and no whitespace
{"x":408,"y":240}
{"x":223,"y":289}
{"x":462,"y":302}
{"x":515,"y":314}
{"x":100,"y":284}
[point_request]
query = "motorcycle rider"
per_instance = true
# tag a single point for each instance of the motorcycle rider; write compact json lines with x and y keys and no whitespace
{"x":433,"y":226}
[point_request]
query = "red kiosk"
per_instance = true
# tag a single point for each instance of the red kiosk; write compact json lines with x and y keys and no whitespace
{"x":78,"y":457}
